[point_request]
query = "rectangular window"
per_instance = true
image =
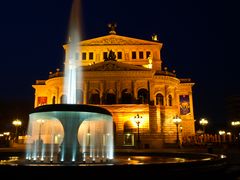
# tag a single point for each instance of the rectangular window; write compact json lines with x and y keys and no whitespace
{"x":105,"y":54}
{"x":141,"y":55}
{"x":148,"y":53}
{"x":119,"y":55}
{"x":91,"y":56}
{"x":134,"y":55}
{"x":84,"y":56}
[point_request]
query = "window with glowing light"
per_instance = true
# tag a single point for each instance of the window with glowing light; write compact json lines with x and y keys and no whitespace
{"x":128,"y":139}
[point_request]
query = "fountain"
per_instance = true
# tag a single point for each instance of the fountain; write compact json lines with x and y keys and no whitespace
{"x":70,"y":132}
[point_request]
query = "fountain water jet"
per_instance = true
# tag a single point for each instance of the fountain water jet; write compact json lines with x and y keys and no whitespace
{"x":70,"y":132}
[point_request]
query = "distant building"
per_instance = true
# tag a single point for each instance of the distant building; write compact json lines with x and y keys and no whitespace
{"x":129,"y":82}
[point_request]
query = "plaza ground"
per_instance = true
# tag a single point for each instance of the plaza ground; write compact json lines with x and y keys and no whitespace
{"x":231,"y":170}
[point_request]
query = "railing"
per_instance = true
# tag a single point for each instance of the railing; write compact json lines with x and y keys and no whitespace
{"x":185,"y":80}
{"x":165,"y":73}
{"x":56,"y":74}
{"x":40,"y":82}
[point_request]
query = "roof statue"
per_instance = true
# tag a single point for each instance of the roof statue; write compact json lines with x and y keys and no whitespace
{"x":112,"y":27}
{"x":111,"y":56}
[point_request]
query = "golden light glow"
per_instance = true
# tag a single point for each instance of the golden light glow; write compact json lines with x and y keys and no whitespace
{"x":6,"y":133}
{"x":221,"y":132}
{"x":235,"y":123}
{"x":177,"y":120}
{"x":203,"y":122}
{"x":17,"y":122}
{"x":138,"y":120}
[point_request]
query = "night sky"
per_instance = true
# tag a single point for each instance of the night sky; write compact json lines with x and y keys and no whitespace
{"x":193,"y":34}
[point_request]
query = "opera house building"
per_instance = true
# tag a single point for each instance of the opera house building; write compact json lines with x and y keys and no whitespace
{"x":125,"y":76}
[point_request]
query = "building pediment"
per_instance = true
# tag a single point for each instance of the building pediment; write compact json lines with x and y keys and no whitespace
{"x":114,"y":66}
{"x":116,"y":40}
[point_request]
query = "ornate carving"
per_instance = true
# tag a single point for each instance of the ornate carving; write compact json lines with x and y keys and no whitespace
{"x":114,"y":66}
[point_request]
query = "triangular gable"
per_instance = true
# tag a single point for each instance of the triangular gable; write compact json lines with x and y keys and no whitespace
{"x":116,"y":40}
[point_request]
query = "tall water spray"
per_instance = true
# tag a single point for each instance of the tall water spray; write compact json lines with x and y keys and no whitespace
{"x":72,"y":68}
{"x":70,"y":132}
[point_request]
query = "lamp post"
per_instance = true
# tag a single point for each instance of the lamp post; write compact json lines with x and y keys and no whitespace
{"x":16,"y":123}
{"x":203,"y":122}
{"x":236,"y":134}
{"x":177,"y":120}
{"x":138,"y":120}
{"x":222,"y":134}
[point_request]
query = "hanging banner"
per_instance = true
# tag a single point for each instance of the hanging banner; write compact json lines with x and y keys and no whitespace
{"x":184,"y":104}
{"x":42,"y":101}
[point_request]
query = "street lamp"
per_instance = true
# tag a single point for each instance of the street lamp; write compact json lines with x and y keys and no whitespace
{"x":16,"y":123}
{"x":222,"y":133}
{"x":203,"y":122}
{"x":177,"y":120}
{"x":236,"y":133}
{"x":138,"y":120}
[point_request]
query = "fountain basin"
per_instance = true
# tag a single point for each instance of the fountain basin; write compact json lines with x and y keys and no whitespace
{"x":69,"y":133}
{"x":125,"y":165}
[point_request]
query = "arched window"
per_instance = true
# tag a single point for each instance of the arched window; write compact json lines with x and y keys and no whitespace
{"x":143,"y":96}
{"x":159,"y":99}
{"x":126,"y":97}
{"x":94,"y":97}
{"x":53,"y":100}
{"x":63,"y":99}
{"x":110,"y":97}
{"x":169,"y":100}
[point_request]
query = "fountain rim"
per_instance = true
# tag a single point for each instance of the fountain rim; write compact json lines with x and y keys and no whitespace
{"x":71,"y":107}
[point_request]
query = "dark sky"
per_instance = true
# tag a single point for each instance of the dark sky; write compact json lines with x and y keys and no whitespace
{"x":192,"y":32}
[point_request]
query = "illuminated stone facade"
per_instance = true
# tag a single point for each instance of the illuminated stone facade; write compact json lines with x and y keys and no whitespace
{"x":134,"y":83}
